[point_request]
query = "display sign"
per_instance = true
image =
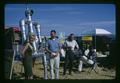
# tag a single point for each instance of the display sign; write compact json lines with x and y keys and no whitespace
{"x":87,"y":38}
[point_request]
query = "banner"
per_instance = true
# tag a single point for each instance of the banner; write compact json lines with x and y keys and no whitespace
{"x":87,"y":38}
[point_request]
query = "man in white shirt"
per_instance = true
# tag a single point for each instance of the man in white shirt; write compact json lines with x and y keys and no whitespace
{"x":70,"y":45}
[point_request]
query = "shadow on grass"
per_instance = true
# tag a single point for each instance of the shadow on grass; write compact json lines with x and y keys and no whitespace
{"x":17,"y":76}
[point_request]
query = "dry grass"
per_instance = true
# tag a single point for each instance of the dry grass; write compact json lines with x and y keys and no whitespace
{"x":103,"y":73}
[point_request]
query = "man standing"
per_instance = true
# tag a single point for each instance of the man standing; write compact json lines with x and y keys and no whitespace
{"x":70,"y":45}
{"x":53,"y":48}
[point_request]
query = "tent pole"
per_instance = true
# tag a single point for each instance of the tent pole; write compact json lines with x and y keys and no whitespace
{"x":95,"y":38}
{"x":95,"y":41}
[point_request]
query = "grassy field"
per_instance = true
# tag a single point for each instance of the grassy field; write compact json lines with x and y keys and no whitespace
{"x":102,"y":72}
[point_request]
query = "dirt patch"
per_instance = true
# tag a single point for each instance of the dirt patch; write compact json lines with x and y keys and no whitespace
{"x":38,"y":71}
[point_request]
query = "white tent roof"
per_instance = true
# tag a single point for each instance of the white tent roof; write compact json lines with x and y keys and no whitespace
{"x":99,"y":31}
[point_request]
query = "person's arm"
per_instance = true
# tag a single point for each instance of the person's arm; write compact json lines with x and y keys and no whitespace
{"x":46,"y":47}
{"x":25,"y":48}
{"x":59,"y":51}
{"x":65,"y":45}
{"x":76,"y":45}
{"x":52,"y":53}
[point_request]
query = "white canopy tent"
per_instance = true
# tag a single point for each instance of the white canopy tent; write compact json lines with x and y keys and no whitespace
{"x":97,"y":32}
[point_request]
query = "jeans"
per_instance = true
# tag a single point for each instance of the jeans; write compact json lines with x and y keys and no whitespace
{"x":68,"y":61}
{"x":54,"y":64}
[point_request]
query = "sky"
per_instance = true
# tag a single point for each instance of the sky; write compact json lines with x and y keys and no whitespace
{"x":67,"y":18}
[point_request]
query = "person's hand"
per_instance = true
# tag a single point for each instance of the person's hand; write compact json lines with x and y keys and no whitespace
{"x":57,"y":53}
{"x":23,"y":49}
{"x":54,"y":54}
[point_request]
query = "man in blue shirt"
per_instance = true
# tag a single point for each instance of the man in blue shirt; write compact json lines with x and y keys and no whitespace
{"x":53,"y":48}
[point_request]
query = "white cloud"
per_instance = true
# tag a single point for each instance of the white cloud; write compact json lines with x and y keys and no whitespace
{"x":98,"y":23}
